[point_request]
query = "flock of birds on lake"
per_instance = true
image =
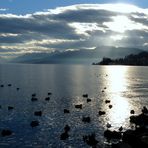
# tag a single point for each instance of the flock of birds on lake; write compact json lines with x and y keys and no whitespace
{"x":88,"y":139}
{"x":34,"y":123}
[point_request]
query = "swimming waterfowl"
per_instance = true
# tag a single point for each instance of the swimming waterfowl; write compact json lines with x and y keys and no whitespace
{"x":17,"y":88}
{"x":66,"y":111}
{"x":38,"y":113}
{"x":10,"y":107}
{"x":85,"y":95}
{"x":33,"y":99}
{"x":90,"y":140}
{"x":6,"y":132}
{"x":132,"y":112}
{"x":86,"y":119}
{"x":110,"y":106}
{"x":9,"y":85}
{"x":34,"y":123}
{"x":64,"y":136}
{"x":78,"y":106}
{"x":49,"y":93}
{"x":34,"y":94}
{"x":107,"y":101}
{"x":144,"y":110}
{"x":102,"y":113}
{"x":121,"y":128}
{"x":47,"y":98}
{"x":67,"y":128}
{"x":108,"y":125}
{"x":88,"y":100}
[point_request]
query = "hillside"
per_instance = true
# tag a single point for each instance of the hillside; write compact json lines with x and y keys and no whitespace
{"x":77,"y":56}
{"x":140,"y":59}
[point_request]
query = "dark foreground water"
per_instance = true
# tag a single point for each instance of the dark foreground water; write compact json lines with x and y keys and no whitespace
{"x":125,"y":86}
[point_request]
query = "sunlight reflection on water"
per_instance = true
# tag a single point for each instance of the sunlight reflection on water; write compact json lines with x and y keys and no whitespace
{"x":117,"y":81}
{"x":117,"y":78}
{"x":120,"y":112}
{"x":125,"y":87}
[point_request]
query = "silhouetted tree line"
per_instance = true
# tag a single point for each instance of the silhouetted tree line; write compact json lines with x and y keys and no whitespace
{"x":140,"y":59}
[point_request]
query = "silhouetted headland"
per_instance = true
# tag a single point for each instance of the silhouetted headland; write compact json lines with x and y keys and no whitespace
{"x":140,"y":59}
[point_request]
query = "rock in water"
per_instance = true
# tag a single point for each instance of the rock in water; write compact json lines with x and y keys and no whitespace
{"x":112,"y":134}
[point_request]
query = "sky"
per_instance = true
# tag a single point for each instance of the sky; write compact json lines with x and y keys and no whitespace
{"x":27,"y":6}
{"x":50,"y":25}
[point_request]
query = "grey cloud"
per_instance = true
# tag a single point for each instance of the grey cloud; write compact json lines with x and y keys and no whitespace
{"x":66,"y":45}
{"x":96,"y":38}
{"x":138,"y":33}
{"x":2,"y":50}
{"x":135,"y":38}
{"x":139,"y":18}
{"x":84,"y":16}
{"x":48,"y":25}
{"x":28,"y":25}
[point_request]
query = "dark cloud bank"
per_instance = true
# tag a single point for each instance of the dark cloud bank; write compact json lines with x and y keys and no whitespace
{"x":73,"y":28}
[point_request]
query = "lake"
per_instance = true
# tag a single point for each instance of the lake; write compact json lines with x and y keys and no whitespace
{"x":125,"y":86}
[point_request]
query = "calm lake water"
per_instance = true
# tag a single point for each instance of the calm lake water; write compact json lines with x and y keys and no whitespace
{"x":125,"y":86}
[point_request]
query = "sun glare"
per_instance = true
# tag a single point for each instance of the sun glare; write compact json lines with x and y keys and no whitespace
{"x":117,"y":37}
{"x":120,"y":23}
{"x":118,"y":85}
{"x":120,"y":112}
{"x":117,"y":78}
{"x":122,"y":8}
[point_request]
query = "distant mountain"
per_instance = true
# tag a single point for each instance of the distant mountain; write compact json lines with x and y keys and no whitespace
{"x":140,"y":59}
{"x":77,"y":56}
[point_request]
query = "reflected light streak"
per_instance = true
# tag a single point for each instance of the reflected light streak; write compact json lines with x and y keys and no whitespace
{"x":120,"y":112}
{"x":117,"y":78}
{"x":117,"y":85}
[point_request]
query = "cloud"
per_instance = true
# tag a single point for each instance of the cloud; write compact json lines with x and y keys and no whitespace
{"x":82,"y":26}
{"x":4,"y":9}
